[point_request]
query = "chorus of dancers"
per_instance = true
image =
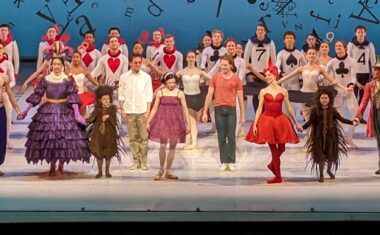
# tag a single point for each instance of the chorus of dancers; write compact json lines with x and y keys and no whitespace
{"x":83,"y":97}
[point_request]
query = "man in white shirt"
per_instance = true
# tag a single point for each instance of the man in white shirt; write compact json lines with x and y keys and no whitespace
{"x":135,"y":97}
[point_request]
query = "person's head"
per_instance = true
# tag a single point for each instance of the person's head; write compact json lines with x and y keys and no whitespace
{"x":271,"y":74}
{"x":4,"y":30}
{"x":89,"y":37}
{"x":52,"y":32}
{"x":325,"y":96}
{"x":261,"y":31}
{"x":114,"y":43}
{"x":57,"y":64}
{"x":376,"y":71}
{"x":239,"y":50}
{"x":340,"y":48}
{"x":230,"y":45}
{"x":191,"y":57}
{"x":311,"y":40}
{"x":104,"y":96}
{"x":227,"y":64}
{"x":136,"y":62}
{"x":324,"y":49}
{"x":311,"y":54}
{"x":170,"y":80}
{"x":76,"y":59}
{"x":289,"y":39}
{"x":114,"y":32}
{"x":360,"y":33}
{"x":169,"y":41}
{"x":217,"y":37}
{"x":157,"y":36}
{"x":206,"y":41}
{"x":137,"y":48}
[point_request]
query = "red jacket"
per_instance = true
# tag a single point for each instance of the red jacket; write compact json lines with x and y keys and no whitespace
{"x":368,"y":91}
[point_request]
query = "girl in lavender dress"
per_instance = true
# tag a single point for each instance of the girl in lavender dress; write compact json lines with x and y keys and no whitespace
{"x":166,"y":123}
{"x":54,"y":134}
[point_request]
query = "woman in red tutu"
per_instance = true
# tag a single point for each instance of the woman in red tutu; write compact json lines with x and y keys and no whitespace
{"x":271,"y":125}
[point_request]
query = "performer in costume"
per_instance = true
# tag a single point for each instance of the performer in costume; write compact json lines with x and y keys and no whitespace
{"x":54,"y":134}
{"x":343,"y":69}
{"x":166,"y":123}
{"x":363,"y":51}
{"x":115,"y":32}
{"x":259,"y":50}
{"x":10,"y":47}
{"x":6,"y":68}
{"x":5,"y":90}
{"x":324,"y":56}
{"x":326,"y":143}
{"x":272,"y":126}
{"x":206,"y":42}
{"x":312,"y":41}
{"x":155,"y":47}
{"x":372,"y":93}
{"x":191,"y":78}
{"x":80,"y":76}
{"x":103,"y":135}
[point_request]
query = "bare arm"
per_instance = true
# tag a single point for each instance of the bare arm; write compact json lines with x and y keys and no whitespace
{"x":258,"y":111}
{"x":241,"y":105}
{"x":10,"y":96}
{"x":331,"y":79}
{"x":40,"y":70}
{"x":290,"y":75}
{"x":255,"y":72}
{"x":185,"y":111}
{"x":90,"y":77}
{"x":153,"y":67}
{"x":209,"y":96}
{"x":290,"y":108}
{"x":154,"y":109}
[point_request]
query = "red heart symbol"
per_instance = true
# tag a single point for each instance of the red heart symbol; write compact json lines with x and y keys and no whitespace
{"x":169,"y":60}
{"x":113,"y":63}
{"x":144,"y":37}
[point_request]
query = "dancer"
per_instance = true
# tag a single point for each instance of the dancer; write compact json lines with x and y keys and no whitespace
{"x":10,"y":47}
{"x":80,"y":76}
{"x":5,"y":90}
{"x":225,"y":87}
{"x":54,"y":134}
{"x":372,"y":93}
{"x":272,"y":126}
{"x":326,"y":143}
{"x":103,"y":143}
{"x":122,"y":45}
{"x":6,"y":69}
{"x":166,"y":123}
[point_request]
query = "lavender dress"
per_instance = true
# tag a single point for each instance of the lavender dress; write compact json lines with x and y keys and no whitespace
{"x":168,"y":124}
{"x":53,"y":133}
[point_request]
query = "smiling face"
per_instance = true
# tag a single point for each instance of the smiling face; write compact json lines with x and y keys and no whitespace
{"x":311,"y":55}
{"x":105,"y":100}
{"x":324,"y":99}
{"x":57,"y":66}
{"x":270,"y":77}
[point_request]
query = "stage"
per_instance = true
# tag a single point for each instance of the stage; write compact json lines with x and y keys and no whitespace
{"x":202,"y":193}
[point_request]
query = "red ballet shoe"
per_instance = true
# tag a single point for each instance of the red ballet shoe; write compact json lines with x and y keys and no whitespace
{"x":274,"y":180}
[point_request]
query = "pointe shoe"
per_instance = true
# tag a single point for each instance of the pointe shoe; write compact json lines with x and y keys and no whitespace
{"x":159,"y":174}
{"x":97,"y":176}
{"x":270,"y":167}
{"x":332,"y":176}
{"x":275,"y":180}
{"x":108,"y":175}
{"x":170,"y":176}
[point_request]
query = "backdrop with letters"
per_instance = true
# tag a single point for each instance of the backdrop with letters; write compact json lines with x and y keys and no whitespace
{"x":188,"y":20}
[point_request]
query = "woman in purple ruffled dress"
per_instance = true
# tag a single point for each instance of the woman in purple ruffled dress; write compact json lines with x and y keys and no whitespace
{"x":54,"y":134}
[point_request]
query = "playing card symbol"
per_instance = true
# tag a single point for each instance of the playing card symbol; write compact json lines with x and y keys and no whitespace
{"x":215,"y":57}
{"x":291,"y":61}
{"x":341,"y":70}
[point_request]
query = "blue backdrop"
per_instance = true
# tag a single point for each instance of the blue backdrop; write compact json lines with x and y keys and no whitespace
{"x":188,"y":19}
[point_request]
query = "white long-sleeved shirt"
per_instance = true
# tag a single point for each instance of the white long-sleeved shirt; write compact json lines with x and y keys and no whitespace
{"x":364,"y":55}
{"x":135,"y":89}
{"x":343,"y":70}
{"x":208,"y":55}
{"x":287,"y":62}
{"x":12,"y":51}
{"x":260,"y":55}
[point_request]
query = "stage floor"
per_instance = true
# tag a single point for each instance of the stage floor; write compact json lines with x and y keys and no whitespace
{"x":202,"y":193}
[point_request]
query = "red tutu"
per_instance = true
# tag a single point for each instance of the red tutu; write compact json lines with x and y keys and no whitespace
{"x":273,"y":126}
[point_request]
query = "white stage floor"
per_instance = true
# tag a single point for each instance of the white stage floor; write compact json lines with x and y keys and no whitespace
{"x":202,"y":193}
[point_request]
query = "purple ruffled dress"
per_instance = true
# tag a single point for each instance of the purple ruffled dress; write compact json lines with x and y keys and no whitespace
{"x":168,"y":124}
{"x":53,"y":133}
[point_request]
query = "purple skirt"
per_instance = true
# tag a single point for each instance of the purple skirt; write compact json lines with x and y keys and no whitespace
{"x":55,"y":135}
